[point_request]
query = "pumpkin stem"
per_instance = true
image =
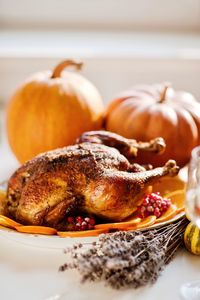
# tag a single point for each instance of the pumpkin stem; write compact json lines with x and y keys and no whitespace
{"x":163,"y":92}
{"x":65,"y":64}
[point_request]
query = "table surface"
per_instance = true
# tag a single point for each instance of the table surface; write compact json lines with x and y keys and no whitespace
{"x":28,"y":272}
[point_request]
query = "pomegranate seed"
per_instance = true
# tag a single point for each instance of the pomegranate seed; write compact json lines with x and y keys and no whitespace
{"x":145,"y":202}
{"x":159,"y":203}
{"x":79,"y":219}
{"x":70,"y":220}
{"x":150,"y":208}
{"x":83,"y":225}
{"x":157,"y":212}
{"x":78,"y":226}
{"x":92,"y":221}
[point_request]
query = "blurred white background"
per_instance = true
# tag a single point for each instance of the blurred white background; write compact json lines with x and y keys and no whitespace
{"x":122,"y":42}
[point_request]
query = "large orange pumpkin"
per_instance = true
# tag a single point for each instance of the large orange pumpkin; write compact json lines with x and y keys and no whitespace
{"x":146,"y":112}
{"x":50,"y":110}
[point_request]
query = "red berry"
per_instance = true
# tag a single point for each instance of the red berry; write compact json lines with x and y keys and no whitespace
{"x":84,"y":225}
{"x":145,"y":202}
{"x":159,"y":203}
{"x":150,"y":208}
{"x":157,"y":212}
{"x":87,"y":219}
{"x":79,"y":219}
{"x":78,"y":226}
{"x":70,"y":220}
{"x":92,"y":221}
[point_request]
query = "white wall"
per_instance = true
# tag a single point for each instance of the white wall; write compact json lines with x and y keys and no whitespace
{"x":116,"y":55}
{"x":145,"y":15}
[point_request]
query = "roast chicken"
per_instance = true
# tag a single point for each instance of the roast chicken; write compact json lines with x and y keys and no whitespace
{"x":96,"y":176}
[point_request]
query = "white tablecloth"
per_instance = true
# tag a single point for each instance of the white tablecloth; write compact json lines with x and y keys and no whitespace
{"x":31,"y":273}
{"x":28,"y":273}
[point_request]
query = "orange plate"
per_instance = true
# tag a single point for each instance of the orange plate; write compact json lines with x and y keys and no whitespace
{"x":36,"y":230}
{"x":119,"y":225}
{"x":85,"y":233}
{"x":170,"y":213}
{"x":7,"y":222}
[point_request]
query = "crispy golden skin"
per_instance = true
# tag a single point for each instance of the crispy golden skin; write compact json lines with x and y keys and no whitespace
{"x":87,"y":177}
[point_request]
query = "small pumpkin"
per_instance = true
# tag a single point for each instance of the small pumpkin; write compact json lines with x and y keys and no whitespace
{"x":192,"y":238}
{"x":146,"y":112}
{"x":51,"y":109}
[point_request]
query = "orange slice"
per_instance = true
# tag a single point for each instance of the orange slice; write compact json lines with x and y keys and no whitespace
{"x":167,"y":185}
{"x":85,"y":233}
{"x":36,"y":230}
{"x":146,"y":222}
{"x":7,"y":222}
{"x":177,"y":198}
{"x":119,"y":225}
{"x":170,"y":213}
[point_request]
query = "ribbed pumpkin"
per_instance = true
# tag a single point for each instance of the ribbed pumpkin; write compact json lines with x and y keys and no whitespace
{"x":50,"y":110}
{"x":192,"y":238}
{"x":146,"y":112}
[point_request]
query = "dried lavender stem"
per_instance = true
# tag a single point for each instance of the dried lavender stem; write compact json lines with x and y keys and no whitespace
{"x":172,"y":253}
{"x":128,"y":259}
